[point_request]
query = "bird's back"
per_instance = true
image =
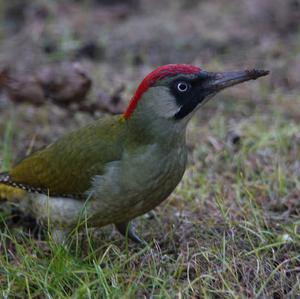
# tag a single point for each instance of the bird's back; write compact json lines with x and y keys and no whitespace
{"x":65,"y":168}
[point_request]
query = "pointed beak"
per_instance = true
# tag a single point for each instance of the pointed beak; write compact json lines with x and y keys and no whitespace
{"x":220,"y":81}
{"x":207,"y":84}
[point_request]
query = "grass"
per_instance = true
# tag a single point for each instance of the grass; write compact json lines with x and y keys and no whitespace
{"x":230,"y":230}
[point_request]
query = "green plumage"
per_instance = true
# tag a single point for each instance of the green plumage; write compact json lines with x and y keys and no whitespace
{"x":67,"y":166}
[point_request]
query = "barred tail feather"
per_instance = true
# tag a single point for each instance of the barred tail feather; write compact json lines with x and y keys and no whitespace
{"x":4,"y":177}
{"x":8,"y":192}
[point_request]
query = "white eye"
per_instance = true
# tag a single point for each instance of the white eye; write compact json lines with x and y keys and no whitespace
{"x":182,"y":86}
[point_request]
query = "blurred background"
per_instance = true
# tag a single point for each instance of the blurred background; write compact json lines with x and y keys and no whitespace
{"x":63,"y":63}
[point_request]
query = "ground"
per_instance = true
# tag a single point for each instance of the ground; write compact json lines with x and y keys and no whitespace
{"x":231,"y":228}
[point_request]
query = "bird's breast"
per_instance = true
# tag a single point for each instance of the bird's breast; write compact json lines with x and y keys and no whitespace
{"x":137,"y":183}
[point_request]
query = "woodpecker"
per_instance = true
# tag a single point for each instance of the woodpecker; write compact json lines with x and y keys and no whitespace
{"x":122,"y":166}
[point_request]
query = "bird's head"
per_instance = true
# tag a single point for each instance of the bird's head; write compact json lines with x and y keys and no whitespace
{"x":172,"y":93}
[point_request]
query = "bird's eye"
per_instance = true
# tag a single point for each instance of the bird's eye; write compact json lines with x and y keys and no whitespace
{"x":182,"y":86}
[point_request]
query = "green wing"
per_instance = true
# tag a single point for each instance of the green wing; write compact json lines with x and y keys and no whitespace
{"x":67,"y":166}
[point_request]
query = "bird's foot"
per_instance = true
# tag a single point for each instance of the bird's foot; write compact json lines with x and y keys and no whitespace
{"x":127,"y":231}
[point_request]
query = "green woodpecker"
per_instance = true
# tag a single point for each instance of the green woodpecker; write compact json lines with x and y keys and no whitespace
{"x":118,"y":167}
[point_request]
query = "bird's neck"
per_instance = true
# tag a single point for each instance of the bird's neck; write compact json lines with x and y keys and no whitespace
{"x":157,"y":130}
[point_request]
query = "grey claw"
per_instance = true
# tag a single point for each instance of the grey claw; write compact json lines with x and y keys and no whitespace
{"x":126,"y":230}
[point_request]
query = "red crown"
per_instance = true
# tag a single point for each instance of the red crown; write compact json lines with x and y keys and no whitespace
{"x":158,"y":74}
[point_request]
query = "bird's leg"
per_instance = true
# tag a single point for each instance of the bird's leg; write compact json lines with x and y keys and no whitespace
{"x":127,"y":231}
{"x":151,"y":215}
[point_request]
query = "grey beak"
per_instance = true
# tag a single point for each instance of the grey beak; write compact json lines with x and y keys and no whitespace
{"x":223,"y":80}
